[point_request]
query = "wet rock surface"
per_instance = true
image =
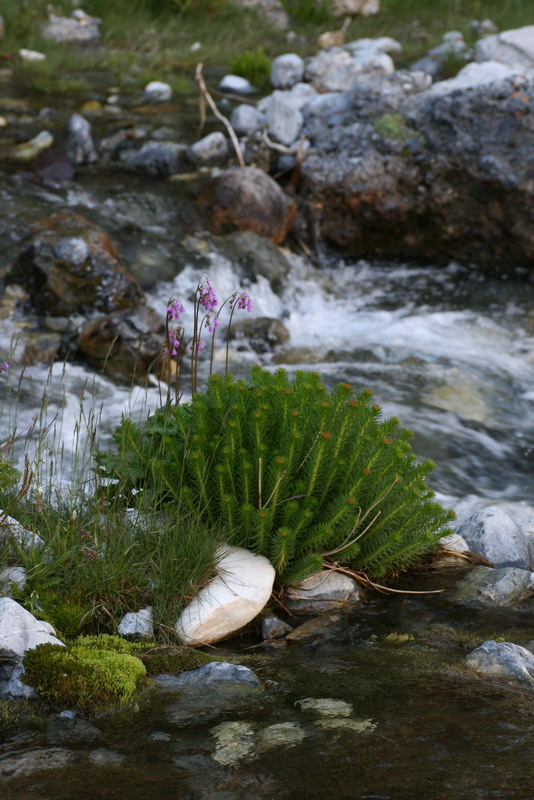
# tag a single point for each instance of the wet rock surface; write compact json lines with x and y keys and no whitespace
{"x":69,"y":265}
{"x":126,"y":344}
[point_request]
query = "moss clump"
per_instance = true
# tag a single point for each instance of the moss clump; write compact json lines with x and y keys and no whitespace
{"x":392,"y":126}
{"x":174,"y":660}
{"x":84,"y":675}
{"x":254,"y":65}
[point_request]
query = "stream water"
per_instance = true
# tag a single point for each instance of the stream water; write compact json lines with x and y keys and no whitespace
{"x":447,"y":350}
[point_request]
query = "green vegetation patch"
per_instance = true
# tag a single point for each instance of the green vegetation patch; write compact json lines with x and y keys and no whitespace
{"x":91,"y":674}
{"x":287,"y":469}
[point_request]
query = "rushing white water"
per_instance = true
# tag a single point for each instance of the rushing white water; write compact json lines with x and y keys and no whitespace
{"x":449,"y":353}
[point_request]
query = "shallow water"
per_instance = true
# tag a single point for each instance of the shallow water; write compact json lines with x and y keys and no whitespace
{"x":421,"y":726}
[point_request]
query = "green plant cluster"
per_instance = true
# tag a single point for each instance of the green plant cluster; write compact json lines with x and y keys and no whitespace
{"x":93,"y":674}
{"x":286,"y":468}
{"x":254,"y":65}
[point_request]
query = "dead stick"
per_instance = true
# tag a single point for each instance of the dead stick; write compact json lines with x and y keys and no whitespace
{"x":205,"y":93}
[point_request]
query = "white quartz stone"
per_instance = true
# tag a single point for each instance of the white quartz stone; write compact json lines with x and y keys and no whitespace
{"x":230,"y":601}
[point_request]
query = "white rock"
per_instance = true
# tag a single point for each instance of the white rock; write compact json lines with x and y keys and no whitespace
{"x":454,"y":542}
{"x":321,"y":591}
{"x":246,"y":119}
{"x":137,"y":624}
{"x":503,"y":660}
{"x":231,"y":600}
{"x":514,"y":48}
{"x":31,"y":55}
{"x":157,"y":92}
{"x":236,"y":85}
{"x":384,"y":44}
{"x":212,"y":147}
{"x":473,"y":75}
{"x":332,"y":70}
{"x":284,"y":120}
{"x":351,"y":8}
{"x":21,"y":631}
{"x":287,"y":70}
{"x":493,"y":533}
{"x":12,"y":576}
{"x":23,"y":537}
{"x":81,"y":147}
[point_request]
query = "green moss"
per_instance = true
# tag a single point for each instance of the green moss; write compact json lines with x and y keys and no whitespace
{"x":392,"y":126}
{"x":89,"y":678}
{"x":253,"y":65}
{"x":174,"y":660}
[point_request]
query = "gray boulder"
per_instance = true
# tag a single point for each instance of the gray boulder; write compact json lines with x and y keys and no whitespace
{"x":272,"y":627}
{"x":493,"y":533}
{"x":80,"y":145}
{"x":209,"y":675}
{"x":287,"y":70}
{"x":503,"y":660}
{"x":495,"y":587}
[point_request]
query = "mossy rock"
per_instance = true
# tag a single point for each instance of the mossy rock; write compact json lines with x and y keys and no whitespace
{"x":85,"y":675}
{"x":174,"y":660}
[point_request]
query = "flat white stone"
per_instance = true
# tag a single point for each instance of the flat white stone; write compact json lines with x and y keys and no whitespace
{"x":287,"y":70}
{"x":230,"y":601}
{"x":473,"y":75}
{"x":514,"y":47}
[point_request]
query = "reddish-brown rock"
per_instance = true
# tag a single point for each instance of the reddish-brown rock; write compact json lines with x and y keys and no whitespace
{"x":247,"y":199}
{"x":69,"y":265}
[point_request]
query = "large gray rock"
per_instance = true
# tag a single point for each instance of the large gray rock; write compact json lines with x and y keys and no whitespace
{"x":80,"y":145}
{"x":503,"y":660}
{"x":210,"y":675}
{"x":495,"y":587}
{"x":458,"y":160}
{"x":287,"y":70}
{"x":209,"y":692}
{"x":514,"y":48}
{"x":493,"y":533}
{"x":322,"y":591}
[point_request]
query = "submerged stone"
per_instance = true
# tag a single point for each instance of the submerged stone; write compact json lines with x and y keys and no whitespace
{"x":326,"y":706}
{"x":34,"y":761}
{"x":283,"y":734}
{"x":234,"y":742}
{"x":495,"y":587}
